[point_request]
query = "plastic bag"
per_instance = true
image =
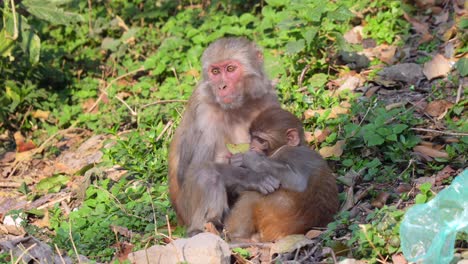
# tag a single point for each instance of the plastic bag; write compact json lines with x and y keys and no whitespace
{"x":428,"y":231}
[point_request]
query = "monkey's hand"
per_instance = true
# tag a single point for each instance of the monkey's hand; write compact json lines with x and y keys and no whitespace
{"x":252,"y":160}
{"x":262,"y":183}
{"x":237,"y":160}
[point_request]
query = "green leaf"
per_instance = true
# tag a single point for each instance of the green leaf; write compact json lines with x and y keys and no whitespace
{"x":398,"y":128}
{"x":276,"y":3}
{"x":48,"y":10}
{"x":309,"y":35}
{"x":246,"y":19}
{"x":373,"y":139}
{"x":318,"y":80}
{"x":31,"y":45}
{"x":238,"y":148}
{"x":462,"y":66}
{"x":420,"y":198}
{"x":295,"y":46}
{"x":52,"y":184}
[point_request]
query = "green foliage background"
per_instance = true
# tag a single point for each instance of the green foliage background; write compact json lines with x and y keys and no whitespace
{"x":58,"y":56}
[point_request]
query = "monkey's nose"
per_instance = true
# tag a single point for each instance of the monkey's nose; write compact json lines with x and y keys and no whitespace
{"x":222,"y":87}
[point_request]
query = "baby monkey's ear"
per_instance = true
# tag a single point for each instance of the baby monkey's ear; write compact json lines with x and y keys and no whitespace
{"x":292,"y":136}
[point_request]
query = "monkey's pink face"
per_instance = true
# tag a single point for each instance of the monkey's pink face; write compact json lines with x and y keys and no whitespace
{"x":225,"y":77}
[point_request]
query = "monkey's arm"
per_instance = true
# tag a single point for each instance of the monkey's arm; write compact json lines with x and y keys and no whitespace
{"x":289,"y":166}
{"x":242,"y":179}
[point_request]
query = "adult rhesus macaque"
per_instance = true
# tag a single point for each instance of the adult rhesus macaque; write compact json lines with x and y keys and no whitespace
{"x":234,"y":89}
{"x":308,"y":195}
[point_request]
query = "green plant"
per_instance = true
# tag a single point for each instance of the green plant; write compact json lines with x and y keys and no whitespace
{"x":379,"y":238}
{"x":425,"y":193}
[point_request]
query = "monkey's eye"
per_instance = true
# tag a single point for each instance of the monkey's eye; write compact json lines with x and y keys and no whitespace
{"x":215,"y":71}
{"x":231,"y":68}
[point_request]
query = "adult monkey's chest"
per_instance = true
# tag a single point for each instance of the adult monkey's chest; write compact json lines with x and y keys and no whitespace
{"x":234,"y":133}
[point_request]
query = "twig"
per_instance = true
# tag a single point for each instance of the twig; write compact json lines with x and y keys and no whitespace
{"x":90,"y":12}
{"x":459,"y":92}
{"x":311,"y":251}
{"x":129,"y":108}
{"x":15,"y":25}
{"x":301,"y":77}
{"x":169,"y":231}
{"x":9,"y":184}
{"x":456,"y":134}
{"x":250,"y":244}
{"x":58,"y":253}
{"x":165,"y":102}
{"x":104,"y":91}
{"x":154,"y":213}
{"x":24,"y":252}
{"x":68,"y":196}
{"x":169,"y":124}
{"x":364,"y":229}
{"x":71,"y":239}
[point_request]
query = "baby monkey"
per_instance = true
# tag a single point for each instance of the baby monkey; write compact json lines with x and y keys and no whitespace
{"x":307,"y":196}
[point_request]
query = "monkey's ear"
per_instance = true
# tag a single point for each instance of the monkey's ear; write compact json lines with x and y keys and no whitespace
{"x":292,"y":135}
{"x":259,"y":56}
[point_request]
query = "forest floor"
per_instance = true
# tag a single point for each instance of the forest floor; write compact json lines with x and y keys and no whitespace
{"x":418,"y":80}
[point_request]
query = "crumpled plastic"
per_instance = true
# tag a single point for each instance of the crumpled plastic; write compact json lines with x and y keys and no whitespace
{"x":428,"y":231}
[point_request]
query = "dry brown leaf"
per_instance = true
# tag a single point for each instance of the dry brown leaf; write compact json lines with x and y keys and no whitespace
{"x":445,"y":173}
{"x":89,"y":104}
{"x":193,"y":72}
{"x":354,"y":36}
{"x":44,"y":222}
{"x":438,"y":108}
{"x":289,"y":244}
{"x":394,"y":105}
{"x":335,"y":150}
{"x":21,"y":144}
{"x":422,"y":28}
{"x":380,"y":200}
{"x":309,"y":113}
{"x":431,"y":152}
{"x":41,"y":114}
{"x":309,"y":137}
{"x":403,"y":188}
{"x":351,"y":83}
{"x":313,"y":234}
{"x":399,"y":259}
{"x":439,"y":66}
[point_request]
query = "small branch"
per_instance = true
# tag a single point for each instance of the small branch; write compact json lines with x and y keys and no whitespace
{"x":165,"y":102}
{"x":169,"y":231}
{"x":456,"y":134}
{"x":15,"y":22}
{"x":459,"y":93}
{"x":169,"y":124}
{"x":24,"y":253}
{"x":301,"y":77}
{"x":90,"y":12}
{"x":58,"y":253}
{"x":250,"y":244}
{"x":104,"y":91}
{"x":129,"y":108}
{"x":73,"y":242}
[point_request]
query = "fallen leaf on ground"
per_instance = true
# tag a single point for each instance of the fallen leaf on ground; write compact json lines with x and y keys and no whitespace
{"x":354,"y":36}
{"x":399,"y":259}
{"x":439,"y":66}
{"x":313,"y":234}
{"x":41,"y":114}
{"x":335,"y":150}
{"x":438,"y":108}
{"x":380,"y":200}
{"x":445,"y":173}
{"x":289,"y":244}
{"x":431,"y":152}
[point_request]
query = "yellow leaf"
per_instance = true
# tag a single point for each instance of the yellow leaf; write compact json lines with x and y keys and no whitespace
{"x":238,"y":148}
{"x":336,"y":150}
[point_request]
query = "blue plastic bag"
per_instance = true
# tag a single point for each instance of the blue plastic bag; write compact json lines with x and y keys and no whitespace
{"x":428,"y":231}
